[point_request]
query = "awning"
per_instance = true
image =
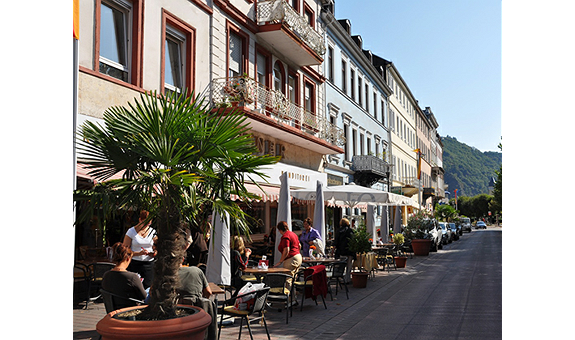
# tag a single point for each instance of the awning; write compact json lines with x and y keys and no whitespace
{"x":82,"y":172}
{"x":269,"y":193}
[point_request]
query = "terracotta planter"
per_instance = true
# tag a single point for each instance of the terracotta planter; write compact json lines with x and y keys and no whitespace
{"x":188,"y":327}
{"x":400,"y":261}
{"x":421,"y":247}
{"x":359,"y":279}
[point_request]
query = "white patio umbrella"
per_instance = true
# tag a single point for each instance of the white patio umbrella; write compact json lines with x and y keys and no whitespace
{"x":218,"y":268}
{"x":319,"y":215}
{"x":370,"y":222}
{"x":352,"y":195}
{"x":397,"y":221}
{"x":384,"y":227}
{"x":284,"y":212}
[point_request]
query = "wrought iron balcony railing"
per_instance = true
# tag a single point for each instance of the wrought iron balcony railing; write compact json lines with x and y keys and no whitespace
{"x":246,"y":92}
{"x":279,"y":11}
{"x":370,"y":163}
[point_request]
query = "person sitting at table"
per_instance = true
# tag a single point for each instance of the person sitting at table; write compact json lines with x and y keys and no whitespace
{"x":240,"y":257}
{"x":310,"y":237}
{"x":194,"y":289}
{"x":289,"y":249}
{"x":193,"y":283}
{"x":120,"y":281}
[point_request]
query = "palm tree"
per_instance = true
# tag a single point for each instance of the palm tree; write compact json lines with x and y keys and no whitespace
{"x":180,"y":160}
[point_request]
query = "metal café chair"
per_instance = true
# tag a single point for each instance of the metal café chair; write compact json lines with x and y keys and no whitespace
{"x":279,"y":291}
{"x":258,"y":307}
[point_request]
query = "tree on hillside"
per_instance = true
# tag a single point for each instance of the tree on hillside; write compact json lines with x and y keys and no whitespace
{"x":476,"y":206}
{"x":496,"y":205}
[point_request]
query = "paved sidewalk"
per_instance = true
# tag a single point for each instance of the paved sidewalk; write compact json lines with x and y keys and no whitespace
{"x":307,"y":324}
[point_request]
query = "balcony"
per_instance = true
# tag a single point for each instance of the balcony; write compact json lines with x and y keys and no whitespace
{"x":266,"y":108}
{"x":368,"y":169}
{"x":408,"y":186}
{"x":289,"y":33}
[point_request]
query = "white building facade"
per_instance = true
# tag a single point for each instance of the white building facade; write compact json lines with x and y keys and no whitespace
{"x":263,"y":58}
{"x":402,"y":113}
{"x":357,"y":102}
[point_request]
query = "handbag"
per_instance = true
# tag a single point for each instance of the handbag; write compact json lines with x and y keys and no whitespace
{"x":246,"y":301}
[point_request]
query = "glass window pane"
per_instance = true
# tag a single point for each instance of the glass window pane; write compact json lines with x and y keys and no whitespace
{"x":173,"y":64}
{"x":113,"y":35}
{"x":235,"y":59}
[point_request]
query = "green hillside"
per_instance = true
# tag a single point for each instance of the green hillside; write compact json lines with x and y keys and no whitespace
{"x":467,"y":168}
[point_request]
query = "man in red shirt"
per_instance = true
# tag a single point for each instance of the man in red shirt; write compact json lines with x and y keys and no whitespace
{"x":289,"y":248}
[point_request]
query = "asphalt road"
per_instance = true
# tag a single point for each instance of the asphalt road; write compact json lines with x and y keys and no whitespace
{"x":453,"y":294}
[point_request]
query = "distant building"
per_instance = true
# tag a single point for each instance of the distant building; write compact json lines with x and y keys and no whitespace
{"x":357,"y":102}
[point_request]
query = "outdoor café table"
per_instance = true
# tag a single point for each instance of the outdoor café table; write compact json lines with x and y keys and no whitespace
{"x":367,"y":261}
{"x":320,"y":260}
{"x":260,"y":273}
{"x":216,"y":290}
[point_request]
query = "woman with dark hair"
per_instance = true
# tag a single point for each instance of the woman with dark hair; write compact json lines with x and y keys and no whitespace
{"x":140,"y":238}
{"x":120,"y":281}
{"x":310,"y":237}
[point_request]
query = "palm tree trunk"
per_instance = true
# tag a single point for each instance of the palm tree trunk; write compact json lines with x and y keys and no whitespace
{"x":170,"y":244}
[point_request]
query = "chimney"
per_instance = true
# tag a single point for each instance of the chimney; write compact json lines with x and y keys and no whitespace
{"x":346,"y":24}
{"x":369,"y":55}
{"x":358,"y":41}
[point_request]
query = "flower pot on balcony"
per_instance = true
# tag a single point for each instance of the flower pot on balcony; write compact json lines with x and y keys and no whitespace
{"x":421,"y":247}
{"x":193,"y":326}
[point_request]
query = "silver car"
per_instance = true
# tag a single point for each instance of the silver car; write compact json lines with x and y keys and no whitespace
{"x":466,"y":224}
{"x":434,"y":233}
{"x":446,"y":232}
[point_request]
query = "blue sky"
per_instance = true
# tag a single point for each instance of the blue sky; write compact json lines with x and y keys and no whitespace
{"x":448,"y":52}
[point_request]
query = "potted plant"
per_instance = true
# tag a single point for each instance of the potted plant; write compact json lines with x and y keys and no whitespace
{"x":400,"y":260}
{"x":416,"y":231}
{"x":359,"y":243}
{"x":181,"y":163}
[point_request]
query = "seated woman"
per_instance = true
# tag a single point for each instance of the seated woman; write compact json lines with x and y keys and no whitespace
{"x":121,"y":282}
{"x":240,"y":256}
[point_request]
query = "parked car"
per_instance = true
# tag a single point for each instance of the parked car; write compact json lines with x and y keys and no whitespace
{"x":446,"y":233}
{"x":454,"y":231}
{"x":480,"y":225}
{"x":466,"y":224}
{"x":435,"y":235}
